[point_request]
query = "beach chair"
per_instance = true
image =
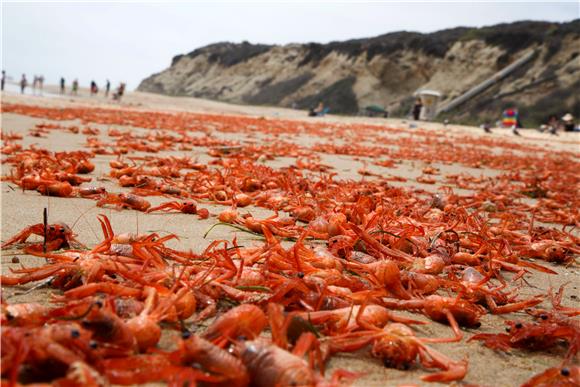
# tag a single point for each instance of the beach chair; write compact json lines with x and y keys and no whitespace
{"x":509,"y":118}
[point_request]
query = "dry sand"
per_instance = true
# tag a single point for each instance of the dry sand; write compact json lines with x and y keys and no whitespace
{"x":20,"y":209}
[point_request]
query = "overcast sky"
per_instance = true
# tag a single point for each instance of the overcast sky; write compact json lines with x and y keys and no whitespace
{"x":130,"y":41}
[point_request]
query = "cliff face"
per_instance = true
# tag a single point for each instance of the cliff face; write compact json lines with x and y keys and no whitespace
{"x":386,"y":70}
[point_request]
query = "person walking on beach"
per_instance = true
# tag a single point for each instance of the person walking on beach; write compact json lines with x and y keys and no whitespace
{"x":40,"y":83}
{"x":417,"y":109}
{"x":75,"y":87}
{"x":62,"y":88}
{"x":3,"y":80}
{"x":107,"y":88}
{"x":23,"y":83}
{"x":34,"y":83}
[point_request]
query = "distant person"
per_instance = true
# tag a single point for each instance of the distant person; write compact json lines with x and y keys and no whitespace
{"x":75,"y":87}
{"x":551,"y":126}
{"x":486,"y":127}
{"x":417,"y":109}
{"x":519,"y":124}
{"x":62,"y":85}
{"x":40,"y":83}
{"x":107,"y":88}
{"x":553,"y":121}
{"x":3,"y":80}
{"x":23,"y":83}
{"x":319,"y":110}
{"x":119,"y":93}
{"x":34,"y":84}
{"x":94,"y":88}
{"x":568,"y":123}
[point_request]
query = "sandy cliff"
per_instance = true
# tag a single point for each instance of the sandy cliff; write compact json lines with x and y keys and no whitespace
{"x":387,"y":69}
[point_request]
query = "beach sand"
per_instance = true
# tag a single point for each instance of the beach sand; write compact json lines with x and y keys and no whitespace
{"x":20,"y":209}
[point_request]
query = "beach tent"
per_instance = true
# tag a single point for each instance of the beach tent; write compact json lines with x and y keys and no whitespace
{"x":375,"y":110}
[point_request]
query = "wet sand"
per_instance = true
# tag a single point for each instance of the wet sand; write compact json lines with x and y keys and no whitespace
{"x":20,"y":209}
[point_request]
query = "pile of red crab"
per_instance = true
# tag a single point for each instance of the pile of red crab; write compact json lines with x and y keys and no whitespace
{"x":344,"y":264}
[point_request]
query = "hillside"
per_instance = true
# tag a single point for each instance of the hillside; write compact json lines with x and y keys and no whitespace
{"x":386,"y":70}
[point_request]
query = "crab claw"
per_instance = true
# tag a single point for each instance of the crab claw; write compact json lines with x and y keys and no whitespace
{"x":456,"y":371}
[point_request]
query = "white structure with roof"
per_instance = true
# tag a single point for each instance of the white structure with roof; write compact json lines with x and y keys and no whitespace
{"x":430,"y":100}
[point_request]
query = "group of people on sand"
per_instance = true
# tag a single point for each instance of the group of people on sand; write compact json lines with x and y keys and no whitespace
{"x":94,"y":88}
{"x":38,"y":85}
{"x":554,"y":124}
{"x":511,"y":120}
{"x":74,"y":87}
